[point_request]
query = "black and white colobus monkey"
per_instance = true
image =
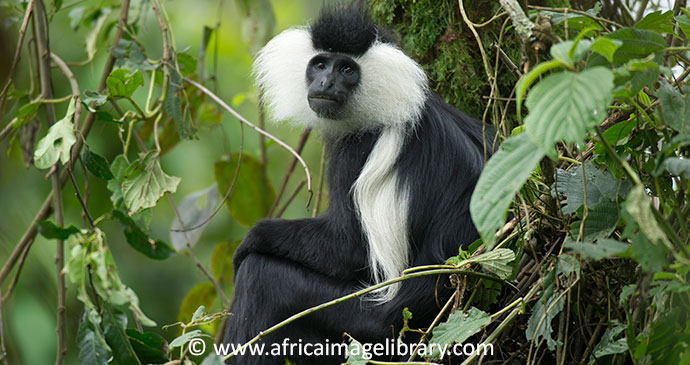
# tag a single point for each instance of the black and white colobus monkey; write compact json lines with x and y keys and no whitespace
{"x":402,"y":167}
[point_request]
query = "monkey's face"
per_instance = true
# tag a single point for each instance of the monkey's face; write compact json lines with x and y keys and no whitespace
{"x":331,"y":80}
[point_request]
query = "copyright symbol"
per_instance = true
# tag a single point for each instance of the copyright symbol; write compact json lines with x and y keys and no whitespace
{"x":197,"y":346}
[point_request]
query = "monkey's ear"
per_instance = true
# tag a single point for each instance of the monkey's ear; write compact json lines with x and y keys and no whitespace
{"x":280,"y":69}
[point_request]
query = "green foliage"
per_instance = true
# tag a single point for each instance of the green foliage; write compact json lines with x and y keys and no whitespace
{"x":252,"y":195}
{"x":458,"y":328}
{"x":58,"y":141}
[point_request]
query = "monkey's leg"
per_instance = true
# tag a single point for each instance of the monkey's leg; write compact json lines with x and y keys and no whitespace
{"x":269,"y":290}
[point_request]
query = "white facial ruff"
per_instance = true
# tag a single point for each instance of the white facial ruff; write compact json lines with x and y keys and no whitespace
{"x":389,"y":98}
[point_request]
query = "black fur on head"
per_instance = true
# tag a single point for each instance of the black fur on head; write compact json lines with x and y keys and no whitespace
{"x":346,"y":29}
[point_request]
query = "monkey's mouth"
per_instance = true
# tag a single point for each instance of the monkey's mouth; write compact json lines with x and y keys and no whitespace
{"x":325,"y":106}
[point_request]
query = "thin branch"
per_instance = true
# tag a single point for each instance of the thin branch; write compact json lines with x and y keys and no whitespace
{"x":300,"y":146}
{"x":81,"y":200}
{"x":345,"y":298}
{"x":17,"y":52}
{"x":164,"y":31}
{"x":579,"y":12}
{"x":257,"y":129}
{"x":523,"y":26}
{"x":434,"y":323}
{"x":41,"y":33}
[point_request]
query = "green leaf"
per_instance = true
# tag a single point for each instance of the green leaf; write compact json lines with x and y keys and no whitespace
{"x":58,"y":141}
{"x":503,"y":176}
{"x":173,"y":106}
{"x":539,"y":324}
{"x":600,"y":186}
{"x":604,"y":248}
{"x":675,"y":108}
{"x":26,"y":113}
{"x":50,"y":230}
{"x":93,"y":99}
{"x":356,"y":353}
{"x":606,"y":47}
{"x":118,"y":168}
{"x":678,"y":166}
{"x":92,"y":37}
{"x":221,"y":261}
{"x":116,"y":337}
{"x":459,"y":327}
{"x":258,"y":22}
{"x":140,"y":241}
{"x":528,"y":79}
{"x":150,"y":347}
{"x":564,"y":105}
{"x":213,"y":359}
{"x":562,"y":50}
{"x":637,"y":43}
{"x":657,"y":21}
{"x":145,"y":182}
{"x":187,"y":64}
{"x":617,"y":135}
{"x":601,"y":220}
{"x":96,"y":164}
{"x":122,"y":83}
{"x":184,"y":338}
{"x":202,"y":294}
{"x":609,"y":346}
{"x":195,"y":209}
{"x":93,"y":350}
{"x":567,"y":265}
{"x":639,"y":206}
{"x":496,"y":261}
{"x":684,"y":23}
{"x":252,"y":195}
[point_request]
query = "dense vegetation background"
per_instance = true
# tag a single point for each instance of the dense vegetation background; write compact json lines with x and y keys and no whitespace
{"x":588,"y":97}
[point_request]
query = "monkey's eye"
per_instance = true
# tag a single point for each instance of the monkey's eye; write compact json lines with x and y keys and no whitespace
{"x":347,"y":70}
{"x":320,"y":65}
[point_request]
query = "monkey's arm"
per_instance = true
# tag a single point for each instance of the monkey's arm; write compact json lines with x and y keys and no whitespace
{"x":311,"y":243}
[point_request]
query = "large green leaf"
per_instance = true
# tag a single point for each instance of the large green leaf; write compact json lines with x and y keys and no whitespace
{"x":637,"y":43}
{"x":140,"y":241}
{"x":503,"y":176}
{"x":93,"y":350}
{"x":145,"y":182}
{"x":600,"y":186}
{"x":606,"y":47}
{"x":604,"y":248}
{"x":496,"y":261}
{"x":564,"y":105}
{"x":252,"y":195}
{"x":221,"y":261}
{"x":657,"y":21}
{"x":539,"y":324}
{"x":96,"y":164}
{"x":114,"y":324}
{"x":678,"y":166}
{"x":600,"y":222}
{"x":122,"y":83}
{"x":150,"y":347}
{"x":58,"y":141}
{"x":675,"y":108}
{"x":458,"y":328}
{"x":51,"y":230}
{"x":609,"y":346}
